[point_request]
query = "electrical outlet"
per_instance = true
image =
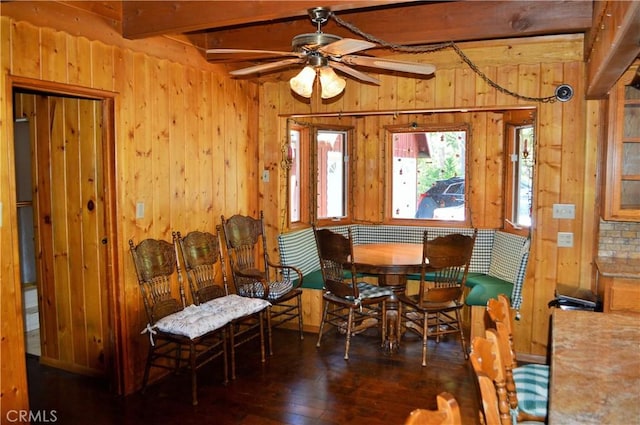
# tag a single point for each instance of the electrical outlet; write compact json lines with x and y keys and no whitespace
{"x":265,"y":176}
{"x":564,"y":211}
{"x":565,"y":239}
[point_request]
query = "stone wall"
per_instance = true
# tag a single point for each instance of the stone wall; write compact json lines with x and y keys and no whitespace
{"x":619,"y":239}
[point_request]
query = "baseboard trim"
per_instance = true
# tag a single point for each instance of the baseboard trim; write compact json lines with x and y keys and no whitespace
{"x":532,"y":358}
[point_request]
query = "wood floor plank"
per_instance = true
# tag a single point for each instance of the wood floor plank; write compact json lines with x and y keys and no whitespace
{"x":299,"y":385}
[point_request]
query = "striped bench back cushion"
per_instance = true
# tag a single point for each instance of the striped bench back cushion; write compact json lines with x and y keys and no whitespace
{"x":298,"y":249}
{"x":509,"y":259}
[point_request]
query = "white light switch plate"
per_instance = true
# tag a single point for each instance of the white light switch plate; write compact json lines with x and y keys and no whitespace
{"x":565,"y":239}
{"x":564,"y":211}
{"x":140,"y":210}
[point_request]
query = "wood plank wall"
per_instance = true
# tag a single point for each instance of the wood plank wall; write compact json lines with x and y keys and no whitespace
{"x":191,"y":144}
{"x":566,"y":150}
{"x":185,"y":146}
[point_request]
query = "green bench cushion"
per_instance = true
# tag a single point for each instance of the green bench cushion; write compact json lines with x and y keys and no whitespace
{"x":312,"y":280}
{"x":484,"y":287}
{"x":430,"y":275}
{"x":470,"y":281}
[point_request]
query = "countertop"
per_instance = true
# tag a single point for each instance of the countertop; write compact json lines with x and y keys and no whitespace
{"x":595,"y":368}
{"x":619,"y":267}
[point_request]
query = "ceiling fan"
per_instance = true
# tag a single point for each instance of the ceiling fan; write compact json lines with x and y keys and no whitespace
{"x":321,"y":53}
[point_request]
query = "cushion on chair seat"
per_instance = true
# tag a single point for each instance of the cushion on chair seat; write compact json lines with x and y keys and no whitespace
{"x":234,"y":306}
{"x":532,"y":377}
{"x":194,"y":321}
{"x":532,"y":387}
{"x":373,"y":291}
{"x":276,"y":289}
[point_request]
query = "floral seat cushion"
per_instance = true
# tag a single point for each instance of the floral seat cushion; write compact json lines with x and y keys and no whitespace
{"x":197,"y":320}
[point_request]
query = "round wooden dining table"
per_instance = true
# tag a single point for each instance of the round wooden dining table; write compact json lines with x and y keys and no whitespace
{"x":391,"y":263}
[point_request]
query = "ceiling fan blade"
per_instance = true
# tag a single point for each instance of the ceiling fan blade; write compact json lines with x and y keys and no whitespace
{"x":353,"y":72}
{"x":345,"y":46}
{"x":267,"y":66}
{"x":393,"y":65}
{"x":264,"y":52}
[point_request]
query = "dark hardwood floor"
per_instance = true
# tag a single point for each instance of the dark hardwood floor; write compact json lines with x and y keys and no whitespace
{"x":300,"y":384}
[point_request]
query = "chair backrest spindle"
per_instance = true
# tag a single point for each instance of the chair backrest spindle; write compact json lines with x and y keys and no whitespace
{"x":204,"y":263}
{"x":336,"y":251}
{"x":156,"y":268}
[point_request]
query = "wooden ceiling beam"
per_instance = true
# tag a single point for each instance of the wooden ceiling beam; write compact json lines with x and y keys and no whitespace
{"x":614,"y":45}
{"x":425,"y":23}
{"x":148,"y":18}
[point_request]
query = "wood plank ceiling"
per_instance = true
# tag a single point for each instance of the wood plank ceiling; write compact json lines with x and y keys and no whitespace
{"x":270,"y":25}
{"x":610,"y":28}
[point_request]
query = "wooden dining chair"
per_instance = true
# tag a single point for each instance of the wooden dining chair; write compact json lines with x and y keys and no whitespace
{"x":349,"y":305}
{"x":203,"y":261}
{"x":486,"y":362}
{"x":255,"y":275}
{"x":179,"y":336}
{"x":448,"y":413}
{"x":435,"y":310}
{"x":527,"y":385}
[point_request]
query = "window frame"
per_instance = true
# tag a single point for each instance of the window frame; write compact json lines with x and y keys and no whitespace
{"x":309,"y":180}
{"x":512,"y":147}
{"x":388,"y":170}
{"x":304,"y":154}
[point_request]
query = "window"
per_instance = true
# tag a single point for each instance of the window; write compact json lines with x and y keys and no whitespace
{"x":331,"y":173}
{"x":328,"y":182}
{"x":428,"y":173}
{"x":295,"y":177}
{"x":520,"y":175}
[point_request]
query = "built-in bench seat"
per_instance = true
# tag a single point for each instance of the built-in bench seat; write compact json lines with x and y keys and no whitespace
{"x":497,"y":266}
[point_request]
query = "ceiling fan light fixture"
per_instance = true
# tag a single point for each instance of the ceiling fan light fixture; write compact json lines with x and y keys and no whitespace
{"x":331,"y":84}
{"x":302,"y":83}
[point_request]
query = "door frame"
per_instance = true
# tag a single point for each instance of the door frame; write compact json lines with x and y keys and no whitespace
{"x":114,"y":372}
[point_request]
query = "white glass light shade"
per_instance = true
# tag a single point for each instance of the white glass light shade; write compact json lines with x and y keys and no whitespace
{"x":303,"y":82}
{"x":332,"y":85}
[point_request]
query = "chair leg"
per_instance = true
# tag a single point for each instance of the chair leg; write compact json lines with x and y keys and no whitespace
{"x":324,"y":319}
{"x":425,"y":335}
{"x":147,"y":367}
{"x":383,"y":321}
{"x":232,"y":343}
{"x":225,"y":349}
{"x":349,"y":330}
{"x":178,"y":358}
{"x":262,"y":351}
{"x":462,"y":340}
{"x":300,"y":327}
{"x":270,"y":339}
{"x":194,"y":378}
{"x":399,"y":324}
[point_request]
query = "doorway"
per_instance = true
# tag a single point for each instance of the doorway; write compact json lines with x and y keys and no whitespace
{"x":71,"y":225}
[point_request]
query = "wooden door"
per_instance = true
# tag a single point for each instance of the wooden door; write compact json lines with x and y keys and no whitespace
{"x":70,"y":233}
